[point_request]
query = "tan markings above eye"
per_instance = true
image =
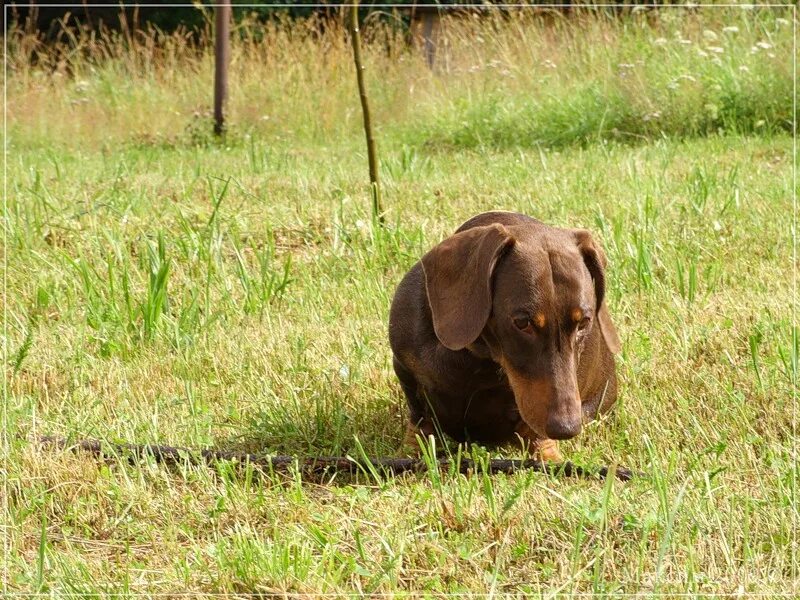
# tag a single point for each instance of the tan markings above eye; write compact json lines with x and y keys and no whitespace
{"x":539,"y":320}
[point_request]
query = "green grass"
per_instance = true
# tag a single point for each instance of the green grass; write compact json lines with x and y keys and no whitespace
{"x":166,"y":288}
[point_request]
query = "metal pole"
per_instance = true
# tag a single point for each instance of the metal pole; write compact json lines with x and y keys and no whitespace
{"x":222,"y":53}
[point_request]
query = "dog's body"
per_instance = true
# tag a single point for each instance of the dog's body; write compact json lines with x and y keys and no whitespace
{"x":501,"y":331}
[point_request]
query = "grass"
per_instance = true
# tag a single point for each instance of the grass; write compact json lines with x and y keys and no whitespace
{"x":163,"y":287}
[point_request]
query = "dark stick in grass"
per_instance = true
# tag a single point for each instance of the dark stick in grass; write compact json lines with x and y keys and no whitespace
{"x":372,"y":157}
{"x":321,"y":464}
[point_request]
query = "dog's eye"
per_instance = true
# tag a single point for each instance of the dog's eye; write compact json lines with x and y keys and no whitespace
{"x":523,"y":323}
{"x":584,"y":323}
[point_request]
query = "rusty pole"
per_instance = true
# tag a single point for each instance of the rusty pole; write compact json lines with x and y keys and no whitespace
{"x":222,"y":54}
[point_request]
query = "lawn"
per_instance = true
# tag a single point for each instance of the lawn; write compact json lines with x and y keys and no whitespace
{"x":166,"y":287}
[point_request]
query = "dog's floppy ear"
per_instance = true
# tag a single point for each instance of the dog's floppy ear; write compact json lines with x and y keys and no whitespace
{"x":458,"y":281}
{"x":595,"y":260}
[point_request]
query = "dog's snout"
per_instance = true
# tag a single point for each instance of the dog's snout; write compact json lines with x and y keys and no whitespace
{"x":563,"y":427}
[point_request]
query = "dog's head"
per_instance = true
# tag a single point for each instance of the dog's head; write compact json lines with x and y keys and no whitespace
{"x":534,"y":296}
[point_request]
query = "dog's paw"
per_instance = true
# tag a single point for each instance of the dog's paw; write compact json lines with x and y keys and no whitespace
{"x":411,"y":443}
{"x":410,"y":446}
{"x":543,"y":449}
{"x":547,"y":451}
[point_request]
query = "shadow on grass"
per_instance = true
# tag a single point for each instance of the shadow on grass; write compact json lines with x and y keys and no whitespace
{"x":328,"y":429}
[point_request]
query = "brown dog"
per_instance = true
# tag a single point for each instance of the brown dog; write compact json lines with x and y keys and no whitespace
{"x":500,"y":332}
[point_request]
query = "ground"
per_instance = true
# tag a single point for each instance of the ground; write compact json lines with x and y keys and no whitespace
{"x":165,"y":287}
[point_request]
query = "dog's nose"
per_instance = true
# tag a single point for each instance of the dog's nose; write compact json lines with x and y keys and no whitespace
{"x":563,"y":428}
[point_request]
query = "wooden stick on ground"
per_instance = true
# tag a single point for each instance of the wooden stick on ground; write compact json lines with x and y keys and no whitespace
{"x":320,"y":464}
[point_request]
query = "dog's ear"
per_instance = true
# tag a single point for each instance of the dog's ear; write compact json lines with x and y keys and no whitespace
{"x":458,"y":281}
{"x":595,"y":260}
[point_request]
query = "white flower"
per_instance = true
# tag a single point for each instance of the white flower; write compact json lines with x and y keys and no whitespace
{"x":716,"y":49}
{"x":782,"y":21}
{"x":744,"y":68}
{"x":625,"y":65}
{"x":764,"y":45}
{"x":549,"y":64}
{"x":730,"y":29}
{"x":702,"y":52}
{"x":684,"y":42}
{"x":672,"y":85}
{"x":660,"y":41}
{"x":710,"y":35}
{"x":652,"y":115}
